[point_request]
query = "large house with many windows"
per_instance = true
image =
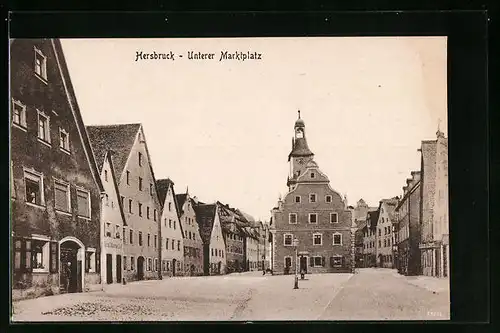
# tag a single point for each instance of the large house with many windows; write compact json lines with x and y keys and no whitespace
{"x":55,"y":183}
{"x":313,"y":214}
{"x":193,"y":244}
{"x":137,"y":188}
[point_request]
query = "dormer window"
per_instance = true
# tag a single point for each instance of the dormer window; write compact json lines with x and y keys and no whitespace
{"x":313,"y":175}
{"x":40,"y":65}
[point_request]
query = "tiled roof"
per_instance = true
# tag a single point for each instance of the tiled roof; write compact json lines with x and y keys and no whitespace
{"x":118,"y":139}
{"x":300,"y":148}
{"x":181,"y":199}
{"x":205,"y":217}
{"x":162,"y":186}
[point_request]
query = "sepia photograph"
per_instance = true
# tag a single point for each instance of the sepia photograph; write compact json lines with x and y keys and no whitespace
{"x":229,"y":179}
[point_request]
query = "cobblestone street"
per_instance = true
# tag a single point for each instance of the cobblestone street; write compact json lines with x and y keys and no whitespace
{"x":370,"y":294}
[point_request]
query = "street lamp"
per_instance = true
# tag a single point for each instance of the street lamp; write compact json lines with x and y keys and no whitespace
{"x":295,"y":245}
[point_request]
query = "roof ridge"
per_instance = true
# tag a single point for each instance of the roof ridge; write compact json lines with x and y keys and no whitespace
{"x":113,"y":125}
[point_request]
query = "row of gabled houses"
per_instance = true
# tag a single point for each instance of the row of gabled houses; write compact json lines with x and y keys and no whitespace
{"x":86,"y":206}
{"x":410,"y":232}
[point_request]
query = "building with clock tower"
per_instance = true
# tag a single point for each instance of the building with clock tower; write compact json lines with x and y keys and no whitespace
{"x":314,"y":214}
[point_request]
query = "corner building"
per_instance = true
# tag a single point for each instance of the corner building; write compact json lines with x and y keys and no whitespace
{"x":313,"y":213}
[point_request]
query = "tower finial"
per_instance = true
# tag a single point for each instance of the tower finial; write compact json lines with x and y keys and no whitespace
{"x":187,"y":189}
{"x":439,"y":123}
{"x":299,"y":113}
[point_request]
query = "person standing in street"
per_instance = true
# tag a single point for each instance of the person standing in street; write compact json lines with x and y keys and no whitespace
{"x":67,"y":273}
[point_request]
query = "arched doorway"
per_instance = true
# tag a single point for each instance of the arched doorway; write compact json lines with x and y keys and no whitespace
{"x":140,"y":268}
{"x":72,"y":261}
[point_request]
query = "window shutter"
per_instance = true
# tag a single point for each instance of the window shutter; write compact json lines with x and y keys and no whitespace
{"x":323,"y":261}
{"x":54,"y":265}
{"x":27,"y":257}
{"x":311,"y":261}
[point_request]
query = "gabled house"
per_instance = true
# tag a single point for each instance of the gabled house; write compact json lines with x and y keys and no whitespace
{"x":234,"y":237}
{"x":384,"y":244}
{"x":172,"y":240}
{"x":138,"y":195}
{"x":370,"y":239}
{"x":214,"y":249}
{"x":193,"y":244}
{"x":55,"y":184}
{"x":113,"y":221}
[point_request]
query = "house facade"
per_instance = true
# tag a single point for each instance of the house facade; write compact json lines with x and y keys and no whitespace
{"x":171,"y":240}
{"x":370,"y":239}
{"x":435,"y":217}
{"x":386,"y":217}
{"x":55,"y":184}
{"x":314,"y":214}
{"x":252,"y":249}
{"x":408,"y":214}
{"x":214,"y":249}
{"x":193,"y":244}
{"x":234,"y":238}
{"x":136,"y":185}
{"x":360,"y":213}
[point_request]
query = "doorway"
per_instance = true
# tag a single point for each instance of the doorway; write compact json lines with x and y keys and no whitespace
{"x":71,"y":256}
{"x":109,"y":268}
{"x":303,"y":264}
{"x":174,"y":262}
{"x":140,"y":268}
{"x":119,"y":268}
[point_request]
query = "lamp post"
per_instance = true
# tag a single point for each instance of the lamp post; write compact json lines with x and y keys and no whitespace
{"x":296,"y":281}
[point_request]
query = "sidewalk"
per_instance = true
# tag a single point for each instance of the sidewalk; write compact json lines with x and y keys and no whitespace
{"x":434,"y":284}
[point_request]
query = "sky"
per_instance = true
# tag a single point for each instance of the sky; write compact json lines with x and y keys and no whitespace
{"x":224,"y":128}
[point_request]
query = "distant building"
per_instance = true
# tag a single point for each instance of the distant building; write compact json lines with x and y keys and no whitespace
{"x":252,"y":249}
{"x":408,"y":213}
{"x":314,"y":214}
{"x":193,"y":244}
{"x":232,"y":228}
{"x":435,"y":220}
{"x":360,"y":213}
{"x":136,"y":185}
{"x":370,"y":239}
{"x":386,"y":218}
{"x":214,"y":248}
{"x":55,"y":184}
{"x":171,"y":240}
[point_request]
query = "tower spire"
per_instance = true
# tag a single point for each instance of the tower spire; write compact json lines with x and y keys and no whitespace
{"x":299,"y":113}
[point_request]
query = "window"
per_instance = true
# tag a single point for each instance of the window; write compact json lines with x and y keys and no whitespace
{"x":313,"y":218}
{"x":132,"y":263}
{"x":140,"y":208}
{"x":40,"y":65}
{"x":194,"y":236}
{"x":379,"y":243}
{"x":83,"y":201}
{"x":173,"y":244}
{"x":156,"y":264}
{"x":312,"y":197}
{"x":287,"y":239}
{"x":149,"y":240}
{"x":61,"y":196}
{"x":117,"y":232}
{"x":40,"y":255}
{"x":18,"y":114}
{"x":140,"y":184}
{"x":90,"y":261}
{"x":328,"y":198}
{"x":288,"y":261}
{"x":108,"y":229}
{"x":190,"y":235}
{"x":174,"y":225}
{"x":178,"y":245}
{"x":313,"y":175}
{"x":212,"y":252}
{"x":154,"y":215}
{"x":124,"y":235}
{"x":130,"y":206}
{"x":140,"y":158}
{"x":149,"y":264}
{"x":166,"y":244}
{"x":125,"y":264}
{"x":156,"y":240}
{"x":147,"y":212}
{"x":43,"y":127}
{"x":336,"y":261}
{"x":337,"y":239}
{"x":151,"y":189}
{"x":34,"y":188}
{"x":317,"y":239}
{"x":334,"y":218}
{"x":169,"y":223}
{"x":107,"y":199}
{"x":63,"y":140}
{"x":131,"y":236}
{"x":297,"y":198}
{"x":292,"y":218}
{"x":169,"y":206}
{"x":318,"y":261}
{"x":122,"y":198}
{"x":128,"y":177}
{"x":106,"y":175}
{"x":385,"y":242}
{"x":140,"y":238}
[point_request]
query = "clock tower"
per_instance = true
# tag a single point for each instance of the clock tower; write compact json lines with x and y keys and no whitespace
{"x":300,"y":154}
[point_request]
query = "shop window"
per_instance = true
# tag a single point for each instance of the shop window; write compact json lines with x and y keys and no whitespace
{"x":336,"y":261}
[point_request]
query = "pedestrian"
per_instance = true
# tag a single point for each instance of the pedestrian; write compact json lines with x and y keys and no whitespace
{"x":67,"y":273}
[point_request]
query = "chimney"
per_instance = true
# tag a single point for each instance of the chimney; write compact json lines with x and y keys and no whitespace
{"x":404,"y":190}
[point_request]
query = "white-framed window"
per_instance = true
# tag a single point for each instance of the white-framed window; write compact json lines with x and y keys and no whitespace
{"x":328,"y":199}
{"x":287,"y":239}
{"x":337,"y":238}
{"x":63,"y":140}
{"x":139,"y":205}
{"x":40,"y":65}
{"x":83,"y":203}
{"x":318,"y":261}
{"x":287,"y":261}
{"x":131,"y":236}
{"x":334,"y":218}
{"x":140,"y":158}
{"x":19,"y":114}
{"x":313,"y":175}
{"x":62,"y":196}
{"x":317,"y":239}
{"x":117,"y":232}
{"x":292,"y":218}
{"x":90,"y":258}
{"x":336,"y":261}
{"x":312,"y":197}
{"x":107,"y":229}
{"x":297,"y":199}
{"x":40,"y":254}
{"x":156,"y":264}
{"x":150,"y":264}
{"x":43,"y":127}
{"x":34,"y":188}
{"x":313,"y":218}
